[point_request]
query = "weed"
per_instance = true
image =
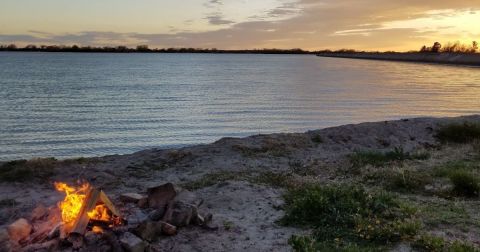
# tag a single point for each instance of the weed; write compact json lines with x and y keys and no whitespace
{"x":377,"y":159}
{"x":465,"y":183}
{"x":274,"y":179}
{"x":228,"y":225}
{"x":459,"y":133}
{"x":407,"y":181}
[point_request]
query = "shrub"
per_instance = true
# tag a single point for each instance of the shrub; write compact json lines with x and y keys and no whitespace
{"x":465,"y":183}
{"x":459,"y":133}
{"x":23,"y":170}
{"x":317,"y":138}
{"x":348,"y":213}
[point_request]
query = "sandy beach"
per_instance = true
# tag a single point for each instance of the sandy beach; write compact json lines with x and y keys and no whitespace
{"x":242,"y":180}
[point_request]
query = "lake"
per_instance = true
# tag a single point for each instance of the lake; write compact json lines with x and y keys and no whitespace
{"x":71,"y":105}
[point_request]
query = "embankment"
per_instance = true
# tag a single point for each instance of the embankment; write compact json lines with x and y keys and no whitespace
{"x":469,"y":59}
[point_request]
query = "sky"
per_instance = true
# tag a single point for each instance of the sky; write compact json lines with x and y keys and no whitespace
{"x":241,"y":24}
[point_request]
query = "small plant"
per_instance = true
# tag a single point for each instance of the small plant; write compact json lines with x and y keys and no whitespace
{"x":459,"y":133}
{"x":228,"y":225}
{"x":465,"y":183}
{"x":317,"y":138}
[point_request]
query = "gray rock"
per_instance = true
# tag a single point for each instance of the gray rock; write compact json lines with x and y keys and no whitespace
{"x":132,"y":243}
{"x":157,"y":214}
{"x":168,"y":229}
{"x":189,"y":198}
{"x":180,"y":214}
{"x":5,"y":244}
{"x":149,"y":230}
{"x":132,"y":197}
{"x":160,"y":196}
{"x":19,"y":230}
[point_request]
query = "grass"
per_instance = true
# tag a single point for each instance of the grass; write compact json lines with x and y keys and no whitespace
{"x":407,"y":181}
{"x":434,"y":243}
{"x":377,"y":158}
{"x":269,"y":146}
{"x":212,"y":179}
{"x":465,"y":183}
{"x":459,"y":133}
{"x":25,"y":170}
{"x":347,"y":214}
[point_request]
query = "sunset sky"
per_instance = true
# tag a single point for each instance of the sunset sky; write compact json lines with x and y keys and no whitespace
{"x":241,"y":24}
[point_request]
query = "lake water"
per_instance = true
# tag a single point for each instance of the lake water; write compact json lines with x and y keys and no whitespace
{"x":72,"y":105}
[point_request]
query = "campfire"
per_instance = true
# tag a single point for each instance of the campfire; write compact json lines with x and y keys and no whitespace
{"x":86,"y":209}
{"x":86,"y":219}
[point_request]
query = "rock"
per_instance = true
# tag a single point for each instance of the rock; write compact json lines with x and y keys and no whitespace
{"x":132,"y":243}
{"x":39,"y":213}
{"x":149,"y":230}
{"x":180,"y":214}
{"x":76,"y":240}
{"x":168,"y":229}
{"x":143,"y":203}
{"x":189,"y":198}
{"x":136,"y":217}
{"x":132,"y":197}
{"x":19,"y":230}
{"x":160,"y":196}
{"x":198,"y":220}
{"x":5,"y":244}
{"x":157,"y":214}
{"x":52,"y":245}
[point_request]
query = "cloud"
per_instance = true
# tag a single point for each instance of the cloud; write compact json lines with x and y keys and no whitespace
{"x":361,"y":24}
{"x":217,"y":18}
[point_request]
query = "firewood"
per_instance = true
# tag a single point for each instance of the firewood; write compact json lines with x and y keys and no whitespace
{"x":89,"y":204}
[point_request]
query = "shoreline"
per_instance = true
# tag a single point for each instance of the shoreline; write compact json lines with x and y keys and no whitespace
{"x":243,"y":180}
{"x":455,"y":59}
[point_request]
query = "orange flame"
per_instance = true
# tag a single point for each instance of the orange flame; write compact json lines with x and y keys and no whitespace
{"x":72,"y":205}
{"x":73,"y":201}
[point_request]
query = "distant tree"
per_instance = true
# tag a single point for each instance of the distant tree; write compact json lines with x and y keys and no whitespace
{"x":12,"y":47}
{"x":143,"y":48}
{"x":436,"y":47}
{"x":31,"y":47}
{"x":424,"y":49}
{"x":474,"y":46}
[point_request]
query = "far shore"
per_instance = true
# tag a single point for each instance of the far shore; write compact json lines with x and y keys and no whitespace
{"x":468,"y":59}
{"x":244,"y":182}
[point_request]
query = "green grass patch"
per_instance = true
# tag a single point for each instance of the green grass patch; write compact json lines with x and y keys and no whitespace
{"x":434,"y":243}
{"x":377,"y":158}
{"x":460,"y":165}
{"x":349,"y":214}
{"x":401,"y":180}
{"x":438,"y":213}
{"x":459,"y":133}
{"x":25,"y":170}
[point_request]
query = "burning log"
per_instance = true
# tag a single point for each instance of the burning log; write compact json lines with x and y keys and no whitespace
{"x":95,"y":211}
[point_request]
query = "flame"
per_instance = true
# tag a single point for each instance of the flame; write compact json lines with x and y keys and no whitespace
{"x":73,"y":201}
{"x":100,"y":212}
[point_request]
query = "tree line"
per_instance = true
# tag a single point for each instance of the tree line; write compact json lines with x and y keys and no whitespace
{"x":142,"y":49}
